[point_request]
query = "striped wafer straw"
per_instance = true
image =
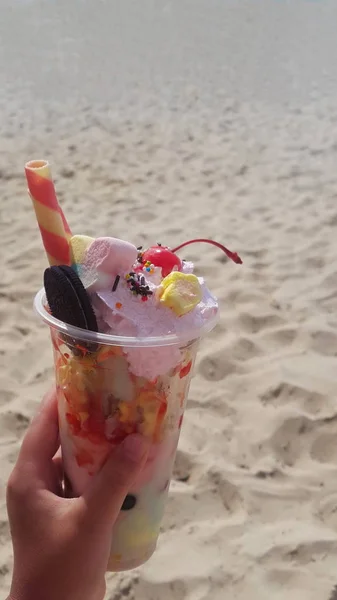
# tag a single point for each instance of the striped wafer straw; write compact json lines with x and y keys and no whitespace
{"x":53,"y":226}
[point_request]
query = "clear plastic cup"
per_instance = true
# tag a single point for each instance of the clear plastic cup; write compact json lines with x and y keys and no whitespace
{"x":106,"y":391}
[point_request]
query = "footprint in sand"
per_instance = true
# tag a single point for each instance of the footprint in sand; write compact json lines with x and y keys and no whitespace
{"x":283,"y":393}
{"x":238,"y":295}
{"x":256,"y":323}
{"x":4,"y":532}
{"x":4,"y":570}
{"x":330,"y":282}
{"x":282,"y":336}
{"x":289,"y":440}
{"x":145,"y":216}
{"x":14,"y":423}
{"x":227,"y":491}
{"x":313,"y":262}
{"x":324,"y":342}
{"x":326,"y":510}
{"x":173,"y":232}
{"x":216,"y":366}
{"x":222,"y":363}
{"x":6,"y":396}
{"x":258,"y":254}
{"x":12,"y":456}
{"x":324,"y":448}
{"x":174,"y":588}
{"x":125,"y":588}
{"x":243,"y":349}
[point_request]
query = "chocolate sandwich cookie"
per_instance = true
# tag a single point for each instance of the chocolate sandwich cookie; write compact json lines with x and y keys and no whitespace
{"x":69,"y":301}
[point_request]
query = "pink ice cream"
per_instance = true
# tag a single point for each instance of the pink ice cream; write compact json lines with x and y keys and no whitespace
{"x":127,"y":299}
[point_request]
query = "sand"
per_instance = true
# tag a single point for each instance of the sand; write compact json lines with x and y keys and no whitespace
{"x":169,"y":120}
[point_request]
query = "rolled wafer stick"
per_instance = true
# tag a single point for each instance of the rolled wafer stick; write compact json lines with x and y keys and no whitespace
{"x":53,"y":226}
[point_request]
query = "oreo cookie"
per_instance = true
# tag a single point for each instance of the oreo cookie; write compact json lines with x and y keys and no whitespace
{"x":69,"y":301}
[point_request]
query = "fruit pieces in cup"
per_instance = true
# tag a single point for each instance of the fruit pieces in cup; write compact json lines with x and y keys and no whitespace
{"x":100,"y":403}
{"x":104,"y":402}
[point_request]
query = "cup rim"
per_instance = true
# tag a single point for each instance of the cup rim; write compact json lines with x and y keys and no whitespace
{"x":116,"y":340}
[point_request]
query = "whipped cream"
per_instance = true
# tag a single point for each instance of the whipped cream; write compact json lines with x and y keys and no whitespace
{"x":125,"y":314}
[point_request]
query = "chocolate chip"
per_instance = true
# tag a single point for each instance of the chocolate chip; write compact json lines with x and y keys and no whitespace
{"x":129,"y":502}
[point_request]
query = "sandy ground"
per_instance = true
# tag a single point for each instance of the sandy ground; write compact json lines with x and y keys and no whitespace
{"x":165,"y":121}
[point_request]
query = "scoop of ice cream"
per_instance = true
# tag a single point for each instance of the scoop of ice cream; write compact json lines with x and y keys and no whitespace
{"x":131,"y":297}
{"x":110,"y":255}
{"x":150,"y":317}
{"x":128,"y":313}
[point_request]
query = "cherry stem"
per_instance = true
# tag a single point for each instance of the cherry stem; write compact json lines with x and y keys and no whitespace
{"x":232,"y":255}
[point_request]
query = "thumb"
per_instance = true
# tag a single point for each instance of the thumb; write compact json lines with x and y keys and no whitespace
{"x":105,"y":496}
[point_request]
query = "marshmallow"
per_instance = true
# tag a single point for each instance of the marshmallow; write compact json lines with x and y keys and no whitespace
{"x":78,"y":246}
{"x":110,"y":255}
{"x":180,"y":292}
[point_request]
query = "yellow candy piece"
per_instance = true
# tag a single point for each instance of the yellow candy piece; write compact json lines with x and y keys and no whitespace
{"x":181,"y":292}
{"x":78,"y":246}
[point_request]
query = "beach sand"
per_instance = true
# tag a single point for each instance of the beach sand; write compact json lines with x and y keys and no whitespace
{"x":165,"y":121}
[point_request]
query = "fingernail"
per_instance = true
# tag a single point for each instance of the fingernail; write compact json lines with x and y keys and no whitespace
{"x":134,"y":447}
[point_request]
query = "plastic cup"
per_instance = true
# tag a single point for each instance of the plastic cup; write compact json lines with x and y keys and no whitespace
{"x":103,"y":396}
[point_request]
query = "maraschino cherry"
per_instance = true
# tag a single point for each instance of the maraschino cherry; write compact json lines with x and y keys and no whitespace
{"x":164,"y":257}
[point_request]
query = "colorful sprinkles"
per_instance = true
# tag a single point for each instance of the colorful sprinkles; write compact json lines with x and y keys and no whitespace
{"x":137,"y":285}
{"x":149,"y":268}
